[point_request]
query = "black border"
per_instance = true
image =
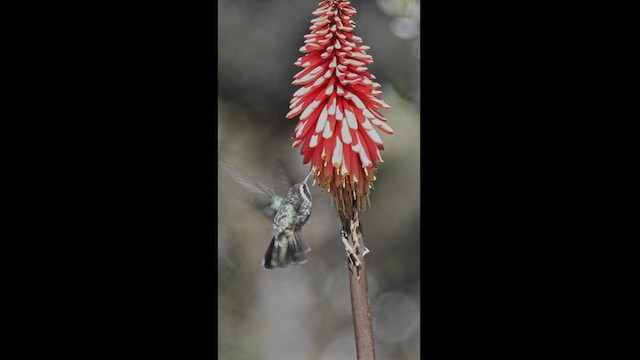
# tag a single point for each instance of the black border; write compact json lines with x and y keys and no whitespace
{"x":139,"y":178}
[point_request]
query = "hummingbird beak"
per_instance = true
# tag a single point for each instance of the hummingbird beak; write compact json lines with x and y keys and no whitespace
{"x":307,"y":178}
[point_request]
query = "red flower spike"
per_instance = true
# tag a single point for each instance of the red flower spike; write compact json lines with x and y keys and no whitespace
{"x":337,"y":107}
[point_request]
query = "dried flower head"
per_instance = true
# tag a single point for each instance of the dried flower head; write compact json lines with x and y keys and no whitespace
{"x":338,"y":104}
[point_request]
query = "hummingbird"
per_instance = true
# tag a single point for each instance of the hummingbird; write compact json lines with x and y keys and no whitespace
{"x":289,"y":214}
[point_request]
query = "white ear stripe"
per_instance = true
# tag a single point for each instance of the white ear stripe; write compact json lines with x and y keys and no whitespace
{"x":302,"y":192}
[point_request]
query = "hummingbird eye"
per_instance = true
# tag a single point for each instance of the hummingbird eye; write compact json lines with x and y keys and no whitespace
{"x":305,"y":188}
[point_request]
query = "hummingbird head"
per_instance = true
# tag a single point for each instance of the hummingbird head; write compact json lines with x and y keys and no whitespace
{"x":304,"y":188}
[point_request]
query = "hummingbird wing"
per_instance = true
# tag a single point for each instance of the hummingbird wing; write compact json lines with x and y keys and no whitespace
{"x":262,"y":196}
{"x":283,"y":179}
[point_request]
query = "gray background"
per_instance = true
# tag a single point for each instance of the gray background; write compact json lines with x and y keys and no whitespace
{"x":304,"y":311}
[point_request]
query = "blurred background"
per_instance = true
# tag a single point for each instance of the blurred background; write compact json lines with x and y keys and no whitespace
{"x":304,"y":311}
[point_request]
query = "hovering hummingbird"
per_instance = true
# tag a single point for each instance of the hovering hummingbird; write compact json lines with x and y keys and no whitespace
{"x":289,"y":214}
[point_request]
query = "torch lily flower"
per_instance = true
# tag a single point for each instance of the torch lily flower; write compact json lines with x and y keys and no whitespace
{"x":338,"y":104}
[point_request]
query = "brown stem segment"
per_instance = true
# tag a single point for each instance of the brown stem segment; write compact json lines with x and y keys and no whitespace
{"x":359,"y":290}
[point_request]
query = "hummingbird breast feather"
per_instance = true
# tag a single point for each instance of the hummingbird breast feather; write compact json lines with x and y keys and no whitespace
{"x":284,"y":219}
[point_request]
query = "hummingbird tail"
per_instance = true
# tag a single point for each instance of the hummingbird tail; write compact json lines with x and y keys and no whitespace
{"x":286,"y":250}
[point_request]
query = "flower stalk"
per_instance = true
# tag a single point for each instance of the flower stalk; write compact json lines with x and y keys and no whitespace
{"x":363,"y":329}
{"x":337,"y":105}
